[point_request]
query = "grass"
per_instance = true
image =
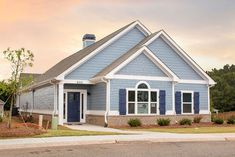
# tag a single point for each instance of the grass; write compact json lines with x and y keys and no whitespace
{"x":64,"y":131}
{"x":196,"y":130}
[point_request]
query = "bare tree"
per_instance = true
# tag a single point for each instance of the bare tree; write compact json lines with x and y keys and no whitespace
{"x":19,"y":59}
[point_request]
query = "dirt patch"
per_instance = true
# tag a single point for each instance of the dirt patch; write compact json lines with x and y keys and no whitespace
{"x":194,"y":125}
{"x":20,"y":129}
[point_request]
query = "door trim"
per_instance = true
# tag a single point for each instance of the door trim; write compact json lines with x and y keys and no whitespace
{"x":82,"y":92}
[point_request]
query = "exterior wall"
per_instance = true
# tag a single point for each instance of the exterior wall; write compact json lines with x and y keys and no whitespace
{"x":44,"y":98}
{"x":117,"y":84}
{"x":118,"y":121}
{"x":168,"y":56}
{"x":142,"y":65}
{"x":96,"y":99}
{"x":95,"y":119}
{"x":26,"y":101}
{"x":201,"y":88}
{"x":107,"y":56}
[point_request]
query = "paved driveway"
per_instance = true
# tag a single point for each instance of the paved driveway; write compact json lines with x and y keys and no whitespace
{"x":136,"y":149}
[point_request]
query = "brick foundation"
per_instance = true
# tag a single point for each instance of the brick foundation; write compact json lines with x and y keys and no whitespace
{"x":114,"y":121}
{"x":95,"y":119}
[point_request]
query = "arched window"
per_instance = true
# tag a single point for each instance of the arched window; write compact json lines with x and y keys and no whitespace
{"x":142,"y":99}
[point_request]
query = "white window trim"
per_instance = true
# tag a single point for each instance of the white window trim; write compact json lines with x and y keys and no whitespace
{"x":192,"y":107}
{"x":136,"y":89}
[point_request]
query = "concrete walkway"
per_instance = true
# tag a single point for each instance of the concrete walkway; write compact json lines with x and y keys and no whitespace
{"x":89,"y":127}
{"x":84,"y":140}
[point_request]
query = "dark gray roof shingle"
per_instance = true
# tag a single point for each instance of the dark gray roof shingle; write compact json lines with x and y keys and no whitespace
{"x":74,"y":58}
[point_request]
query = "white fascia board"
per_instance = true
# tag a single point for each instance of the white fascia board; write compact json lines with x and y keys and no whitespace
{"x":86,"y":58}
{"x":77,"y":82}
{"x":193,"y":81}
{"x":183,"y":54}
{"x":136,"y":77}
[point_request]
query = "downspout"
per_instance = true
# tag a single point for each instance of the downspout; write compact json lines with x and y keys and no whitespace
{"x":107,"y":101}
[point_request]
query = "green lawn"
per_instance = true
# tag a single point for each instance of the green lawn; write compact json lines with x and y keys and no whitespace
{"x":198,"y":130}
{"x":63,"y":131}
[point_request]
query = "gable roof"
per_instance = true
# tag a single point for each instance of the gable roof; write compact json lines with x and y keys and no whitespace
{"x":71,"y":60}
{"x":123,"y":60}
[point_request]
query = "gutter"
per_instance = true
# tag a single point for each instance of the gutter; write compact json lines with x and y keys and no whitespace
{"x":107,"y":100}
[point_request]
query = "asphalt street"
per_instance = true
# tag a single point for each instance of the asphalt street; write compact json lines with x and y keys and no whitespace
{"x":133,"y":149}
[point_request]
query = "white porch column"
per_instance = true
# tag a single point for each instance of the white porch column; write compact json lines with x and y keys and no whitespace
{"x":61,"y":103}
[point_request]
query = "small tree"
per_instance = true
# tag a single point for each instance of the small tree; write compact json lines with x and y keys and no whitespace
{"x":19,"y":59}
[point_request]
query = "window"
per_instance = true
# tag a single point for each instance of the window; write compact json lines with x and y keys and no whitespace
{"x":142,"y":100}
{"x":187,"y":102}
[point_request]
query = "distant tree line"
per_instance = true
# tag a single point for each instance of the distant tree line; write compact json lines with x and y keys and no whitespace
{"x":223,"y":93}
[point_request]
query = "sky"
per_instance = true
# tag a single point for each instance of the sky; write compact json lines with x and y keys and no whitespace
{"x":53,"y":29}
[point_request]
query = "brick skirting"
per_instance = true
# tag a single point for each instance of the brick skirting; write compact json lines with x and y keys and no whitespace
{"x":121,"y":120}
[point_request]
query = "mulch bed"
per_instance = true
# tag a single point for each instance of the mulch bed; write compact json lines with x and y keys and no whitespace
{"x":194,"y":125}
{"x":20,"y":130}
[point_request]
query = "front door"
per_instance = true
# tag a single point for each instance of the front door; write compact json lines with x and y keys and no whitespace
{"x":73,"y":106}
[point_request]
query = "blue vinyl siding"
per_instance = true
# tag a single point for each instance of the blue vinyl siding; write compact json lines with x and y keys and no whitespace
{"x":168,"y":56}
{"x":201,"y":88}
{"x":26,"y":101}
{"x":96,"y":99}
{"x":44,"y":98}
{"x":142,"y":65}
{"x":117,"y":84}
{"x":107,"y":56}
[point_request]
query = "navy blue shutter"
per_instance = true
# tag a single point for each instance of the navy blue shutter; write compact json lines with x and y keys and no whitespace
{"x":196,"y":102}
{"x":122,"y":101}
{"x":162,"y":101}
{"x":178,"y":102}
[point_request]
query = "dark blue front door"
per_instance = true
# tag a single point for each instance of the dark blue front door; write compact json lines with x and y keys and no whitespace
{"x":73,"y":106}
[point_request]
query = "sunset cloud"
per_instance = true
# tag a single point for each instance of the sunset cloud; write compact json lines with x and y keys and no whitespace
{"x":53,"y":29}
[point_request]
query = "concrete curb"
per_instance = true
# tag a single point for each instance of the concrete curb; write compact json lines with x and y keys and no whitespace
{"x":108,"y":139}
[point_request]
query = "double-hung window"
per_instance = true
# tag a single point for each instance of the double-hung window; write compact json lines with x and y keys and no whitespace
{"x":142,"y":100}
{"x":187,"y":102}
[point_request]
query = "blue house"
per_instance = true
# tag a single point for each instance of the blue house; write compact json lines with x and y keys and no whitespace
{"x":129,"y":73}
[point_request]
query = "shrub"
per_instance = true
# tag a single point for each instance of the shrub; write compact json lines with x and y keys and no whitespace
{"x":218,"y":121}
{"x":1,"y":119}
{"x":134,"y":122}
{"x":163,"y":121}
{"x":185,"y":121}
{"x":197,"y":119}
{"x":231,"y":120}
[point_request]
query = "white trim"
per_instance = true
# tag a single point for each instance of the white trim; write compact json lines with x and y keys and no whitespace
{"x":55,"y":99}
{"x":170,"y":112}
{"x":209,"y":106}
{"x":95,"y":112}
{"x":63,"y":74}
{"x":114,"y":113}
{"x":137,"y":77}
{"x":182,"y":53}
{"x":77,"y":81}
{"x":193,"y":81}
{"x":204,"y":112}
{"x":81,"y":91}
{"x":192,"y":107}
{"x":61,"y":103}
{"x":173,"y":98}
{"x":149,"y":90}
{"x":47,"y":112}
{"x":152,"y":57}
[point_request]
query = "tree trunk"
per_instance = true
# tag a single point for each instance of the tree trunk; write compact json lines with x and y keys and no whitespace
{"x":10,"y":114}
